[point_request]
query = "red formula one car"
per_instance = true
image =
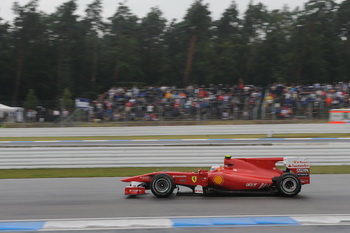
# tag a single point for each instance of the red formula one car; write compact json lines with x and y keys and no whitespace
{"x":240,"y":174}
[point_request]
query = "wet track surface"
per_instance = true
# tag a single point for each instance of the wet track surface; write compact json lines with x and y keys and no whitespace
{"x":36,"y":199}
{"x":25,"y":199}
{"x":39,"y":199}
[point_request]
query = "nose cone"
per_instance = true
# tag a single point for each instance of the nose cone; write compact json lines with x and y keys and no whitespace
{"x":129,"y":179}
{"x":140,"y":178}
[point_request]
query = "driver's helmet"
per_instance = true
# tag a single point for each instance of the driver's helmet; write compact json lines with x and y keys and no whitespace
{"x":215,"y":167}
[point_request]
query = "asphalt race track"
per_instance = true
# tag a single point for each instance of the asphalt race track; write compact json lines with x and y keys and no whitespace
{"x":40,"y":199}
{"x":96,"y":198}
{"x":25,"y":199}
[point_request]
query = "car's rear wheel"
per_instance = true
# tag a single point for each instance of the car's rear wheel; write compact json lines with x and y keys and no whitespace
{"x":162,"y":185}
{"x":288,"y":185}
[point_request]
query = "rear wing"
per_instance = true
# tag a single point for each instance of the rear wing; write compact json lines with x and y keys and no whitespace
{"x":300,"y":167}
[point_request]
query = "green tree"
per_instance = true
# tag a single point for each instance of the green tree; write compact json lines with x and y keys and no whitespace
{"x":196,"y":22}
{"x":61,"y":51}
{"x":175,"y":53}
{"x":123,"y":45}
{"x":273,"y":63}
{"x":31,"y":100}
{"x":6,"y":51}
{"x":228,"y":26}
{"x":95,"y":28}
{"x":206,"y":64}
{"x":26,"y":31}
{"x":315,"y":43}
{"x":64,"y":32}
{"x":228,"y":43}
{"x":254,"y":30}
{"x":228,"y":63}
{"x":343,"y":32}
{"x":151,"y":36}
{"x":67,"y":99}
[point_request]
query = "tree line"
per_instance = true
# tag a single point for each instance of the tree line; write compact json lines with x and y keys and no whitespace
{"x":86,"y":55}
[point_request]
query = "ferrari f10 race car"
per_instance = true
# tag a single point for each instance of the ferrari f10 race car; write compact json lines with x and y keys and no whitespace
{"x":237,"y":174}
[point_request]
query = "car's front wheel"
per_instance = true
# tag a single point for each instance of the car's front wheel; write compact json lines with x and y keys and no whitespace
{"x":288,"y":185}
{"x":162,"y":185}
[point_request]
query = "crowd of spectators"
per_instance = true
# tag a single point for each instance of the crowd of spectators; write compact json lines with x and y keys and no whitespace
{"x":224,"y":102}
{"x":312,"y":101}
{"x":190,"y":103}
{"x":214,"y":102}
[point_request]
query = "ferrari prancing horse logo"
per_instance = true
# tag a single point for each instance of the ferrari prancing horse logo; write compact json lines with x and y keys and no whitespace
{"x":194,"y":179}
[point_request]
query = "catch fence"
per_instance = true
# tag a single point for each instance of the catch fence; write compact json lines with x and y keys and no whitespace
{"x":239,"y":107}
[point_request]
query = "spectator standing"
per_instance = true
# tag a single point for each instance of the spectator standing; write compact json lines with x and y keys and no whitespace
{"x":56,"y":115}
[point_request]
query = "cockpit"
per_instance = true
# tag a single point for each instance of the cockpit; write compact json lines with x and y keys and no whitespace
{"x":215,"y":167}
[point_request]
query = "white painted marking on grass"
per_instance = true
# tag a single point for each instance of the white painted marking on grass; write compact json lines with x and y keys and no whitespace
{"x":48,"y":141}
{"x":94,"y":140}
{"x":198,"y":139}
{"x":145,"y":140}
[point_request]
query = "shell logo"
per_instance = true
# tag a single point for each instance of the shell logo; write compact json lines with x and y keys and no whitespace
{"x":218,"y":180}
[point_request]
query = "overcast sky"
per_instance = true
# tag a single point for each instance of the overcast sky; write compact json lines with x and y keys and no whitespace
{"x":170,"y":8}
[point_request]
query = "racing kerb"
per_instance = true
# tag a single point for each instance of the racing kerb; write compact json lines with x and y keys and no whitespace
{"x":137,"y":223}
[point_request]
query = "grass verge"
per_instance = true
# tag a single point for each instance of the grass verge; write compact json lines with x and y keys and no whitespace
{"x":215,"y":136}
{"x":122,"y":172}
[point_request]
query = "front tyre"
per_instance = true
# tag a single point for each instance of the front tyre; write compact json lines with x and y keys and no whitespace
{"x":162,"y":185}
{"x":288,"y":185}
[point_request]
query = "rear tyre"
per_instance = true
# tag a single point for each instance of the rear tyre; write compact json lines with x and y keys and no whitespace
{"x":288,"y":185}
{"x":162,"y":185}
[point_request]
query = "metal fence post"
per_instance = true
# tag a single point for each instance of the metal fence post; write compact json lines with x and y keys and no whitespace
{"x":61,"y":111}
